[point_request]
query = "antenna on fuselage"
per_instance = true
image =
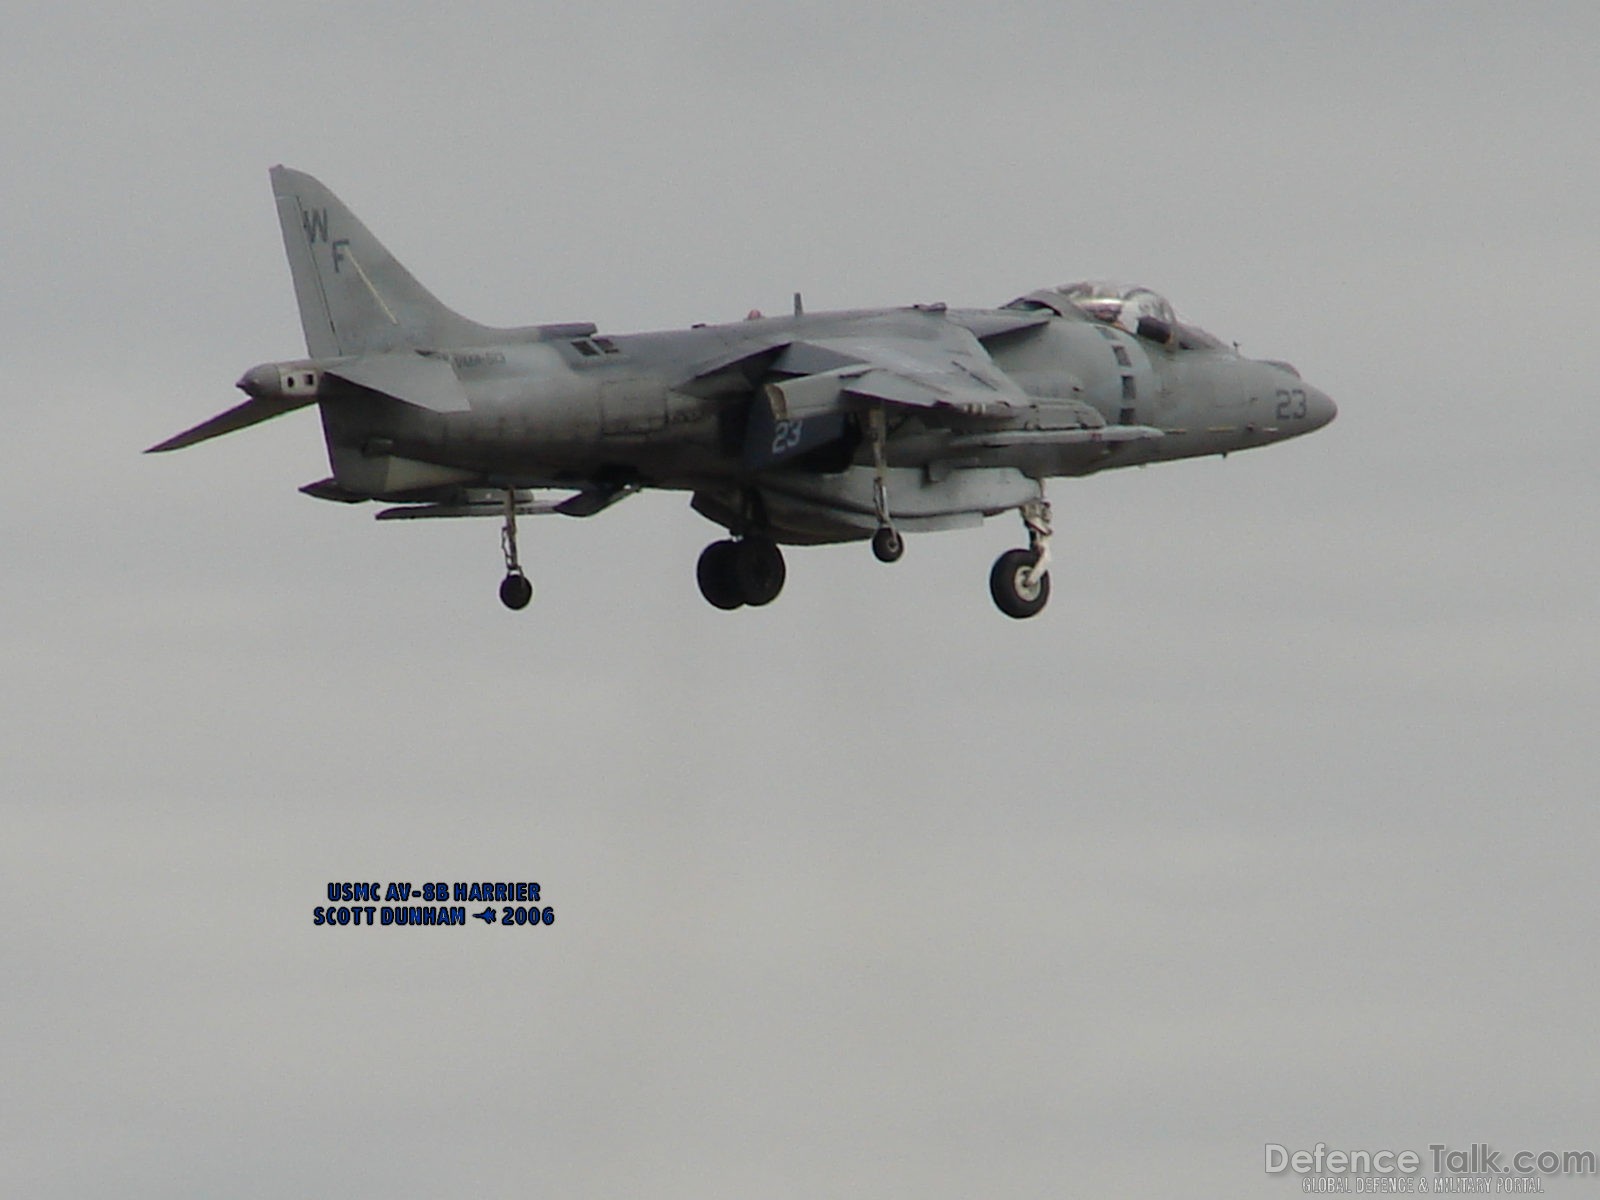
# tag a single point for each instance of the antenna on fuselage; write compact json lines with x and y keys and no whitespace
{"x":799,"y":308}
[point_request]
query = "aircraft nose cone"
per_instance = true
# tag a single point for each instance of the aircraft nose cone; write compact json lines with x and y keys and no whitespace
{"x":1321,"y":408}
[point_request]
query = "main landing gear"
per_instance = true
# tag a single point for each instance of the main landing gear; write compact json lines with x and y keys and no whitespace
{"x":749,"y":570}
{"x":515,"y":590}
{"x":1020,"y":580}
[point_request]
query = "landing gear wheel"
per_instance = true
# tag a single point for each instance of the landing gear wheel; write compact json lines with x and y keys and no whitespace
{"x":1016,"y":590}
{"x":515,"y":591}
{"x":888,"y":545}
{"x":759,"y":569}
{"x":717,"y":573}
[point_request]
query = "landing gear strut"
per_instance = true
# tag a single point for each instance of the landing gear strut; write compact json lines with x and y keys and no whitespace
{"x":749,"y":571}
{"x":1020,"y":580}
{"x":515,"y":590}
{"x":887,"y":544}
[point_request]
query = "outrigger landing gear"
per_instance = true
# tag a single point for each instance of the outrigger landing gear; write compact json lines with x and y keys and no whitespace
{"x":515,"y":590}
{"x":887,"y":544}
{"x":747,"y":571}
{"x":1020,"y":580}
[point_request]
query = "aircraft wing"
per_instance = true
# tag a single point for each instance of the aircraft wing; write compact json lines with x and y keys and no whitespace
{"x":948,"y":370}
{"x":807,"y":387}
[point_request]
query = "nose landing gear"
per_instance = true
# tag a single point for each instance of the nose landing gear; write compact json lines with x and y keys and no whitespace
{"x":1020,"y":580}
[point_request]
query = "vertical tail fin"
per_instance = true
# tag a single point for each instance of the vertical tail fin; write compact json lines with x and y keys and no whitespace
{"x":354,"y":296}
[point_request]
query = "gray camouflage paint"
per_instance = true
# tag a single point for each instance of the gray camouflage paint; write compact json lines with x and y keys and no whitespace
{"x":763,"y":421}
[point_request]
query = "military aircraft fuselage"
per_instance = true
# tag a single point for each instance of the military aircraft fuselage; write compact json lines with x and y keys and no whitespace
{"x":563,"y":411}
{"x":820,"y":427}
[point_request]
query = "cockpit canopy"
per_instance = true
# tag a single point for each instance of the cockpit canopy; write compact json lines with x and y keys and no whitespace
{"x":1117,"y":303}
{"x":1135,"y":309}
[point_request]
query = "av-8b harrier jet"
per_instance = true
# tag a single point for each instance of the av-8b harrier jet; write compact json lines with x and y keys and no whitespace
{"x":793,"y":430}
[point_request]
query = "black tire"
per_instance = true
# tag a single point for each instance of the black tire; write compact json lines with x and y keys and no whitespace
{"x":717,"y":575}
{"x":1006,"y":585}
{"x":760,"y":570}
{"x":515,"y":591}
{"x":888,"y":545}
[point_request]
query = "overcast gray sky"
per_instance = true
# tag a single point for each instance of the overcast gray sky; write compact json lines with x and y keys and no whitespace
{"x":1278,"y":826}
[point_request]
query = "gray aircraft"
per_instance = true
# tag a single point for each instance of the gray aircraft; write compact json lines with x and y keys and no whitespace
{"x":796,"y":430}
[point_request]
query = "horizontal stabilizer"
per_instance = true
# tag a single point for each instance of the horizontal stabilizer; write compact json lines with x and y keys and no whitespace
{"x":251,"y":412}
